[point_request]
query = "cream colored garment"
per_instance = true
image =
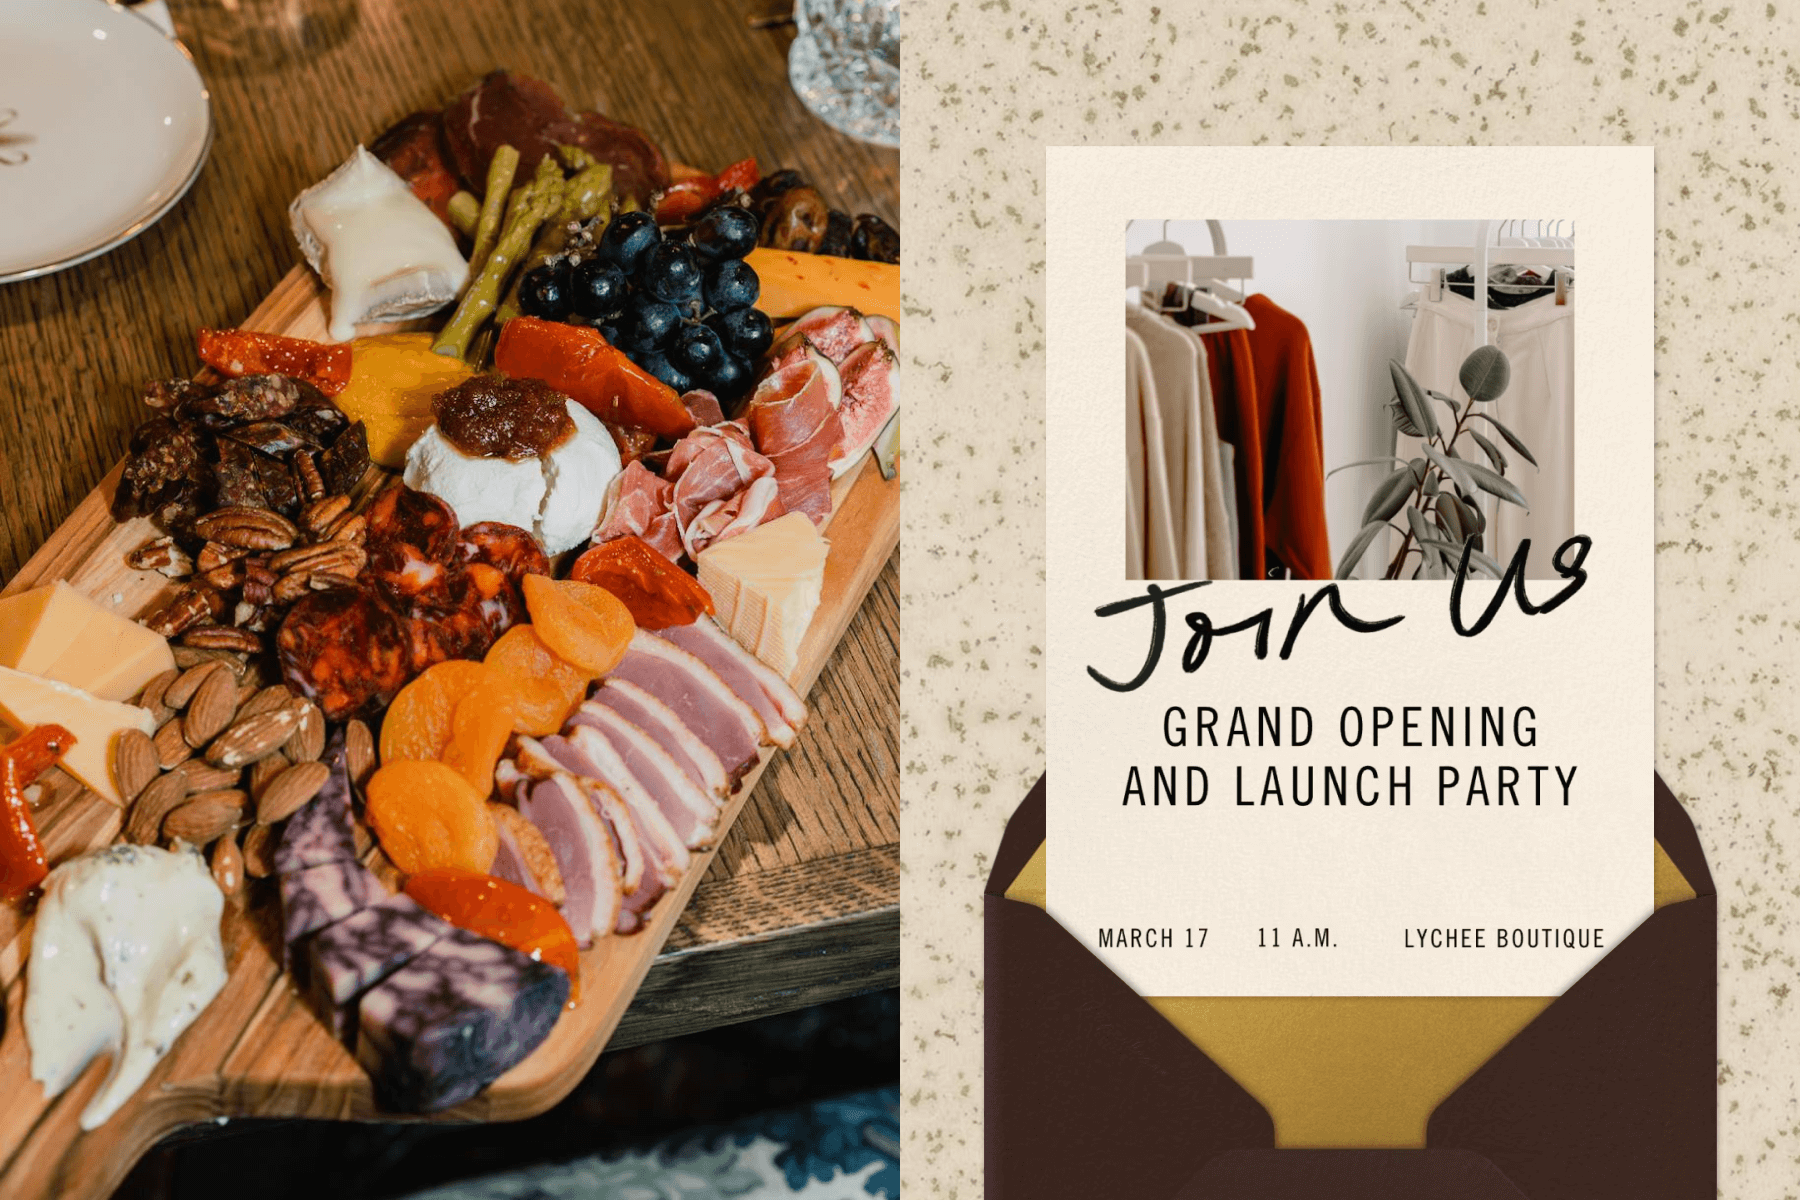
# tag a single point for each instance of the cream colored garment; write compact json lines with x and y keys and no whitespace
{"x":1177,"y":366}
{"x":1149,"y":531}
{"x":1538,"y":405}
{"x":1218,"y":492}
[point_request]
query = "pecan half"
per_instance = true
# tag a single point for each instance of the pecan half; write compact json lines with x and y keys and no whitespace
{"x":163,"y":556}
{"x":252,"y":528}
{"x":222,"y":637}
{"x":319,"y":516}
{"x":190,"y":606}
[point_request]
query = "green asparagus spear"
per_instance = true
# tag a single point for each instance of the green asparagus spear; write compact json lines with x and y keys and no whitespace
{"x":526,"y":210}
{"x":465,"y":213}
{"x":501,"y":169}
{"x":587,"y":194}
{"x":574,"y":157}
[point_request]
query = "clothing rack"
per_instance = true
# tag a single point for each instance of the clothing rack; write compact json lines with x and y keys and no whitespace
{"x":1166,"y":262}
{"x":1480,"y":257}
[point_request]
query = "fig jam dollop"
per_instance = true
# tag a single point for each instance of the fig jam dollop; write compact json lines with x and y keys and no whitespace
{"x":493,"y":416}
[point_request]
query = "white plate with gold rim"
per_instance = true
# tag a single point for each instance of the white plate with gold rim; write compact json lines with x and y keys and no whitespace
{"x":104,"y":125}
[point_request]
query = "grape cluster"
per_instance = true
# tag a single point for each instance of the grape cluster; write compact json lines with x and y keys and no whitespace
{"x":680,"y":307}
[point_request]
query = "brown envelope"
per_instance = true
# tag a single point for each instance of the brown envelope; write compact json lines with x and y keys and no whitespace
{"x":1605,"y":1092}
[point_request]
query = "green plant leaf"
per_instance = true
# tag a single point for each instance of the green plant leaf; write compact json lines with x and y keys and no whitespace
{"x":1477,"y":560}
{"x":1512,"y":439}
{"x":1485,"y":373}
{"x":1455,"y":468}
{"x":1412,"y":398}
{"x":1474,"y":521}
{"x":1390,"y":495}
{"x":1453,"y":406}
{"x":1449,"y":511}
{"x":1496,"y":485}
{"x":1397,"y":415}
{"x":1365,"y":462}
{"x":1421,"y":528}
{"x":1492,"y":451}
{"x":1359,"y":547}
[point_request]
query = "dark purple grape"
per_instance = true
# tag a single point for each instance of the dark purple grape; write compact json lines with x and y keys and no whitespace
{"x":747,"y":332}
{"x":598,"y":290}
{"x":658,"y":365}
{"x":628,"y":240}
{"x":697,"y":350}
{"x":731,"y":285}
{"x":725,"y":233}
{"x":729,"y":378}
{"x":544,"y":292}
{"x":671,"y":274}
{"x":650,"y":322}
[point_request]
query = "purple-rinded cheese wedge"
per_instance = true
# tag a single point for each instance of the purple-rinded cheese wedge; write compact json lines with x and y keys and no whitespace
{"x":318,"y":896}
{"x":697,"y":696}
{"x":353,"y":955}
{"x":322,"y":831}
{"x":584,"y":851}
{"x":456,"y":1018}
{"x":755,"y":682}
{"x":660,"y":722}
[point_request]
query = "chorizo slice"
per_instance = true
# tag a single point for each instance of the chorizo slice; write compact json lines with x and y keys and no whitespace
{"x":345,"y":649}
{"x":513,"y":550}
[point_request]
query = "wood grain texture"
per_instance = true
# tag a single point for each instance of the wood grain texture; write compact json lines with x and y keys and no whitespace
{"x":811,"y":862}
{"x":259,"y":1051}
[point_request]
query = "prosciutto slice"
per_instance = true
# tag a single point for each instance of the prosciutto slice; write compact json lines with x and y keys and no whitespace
{"x":714,"y":484}
{"x":754,"y":681}
{"x":697,"y":696}
{"x":793,"y":416}
{"x":660,"y":722}
{"x":642,"y":503}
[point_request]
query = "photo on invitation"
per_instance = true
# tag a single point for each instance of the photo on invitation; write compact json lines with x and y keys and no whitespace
{"x":1381,"y":874}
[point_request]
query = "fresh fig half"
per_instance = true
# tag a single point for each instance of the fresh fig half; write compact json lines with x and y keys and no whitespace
{"x":871,"y":381}
{"x":887,"y":329}
{"x":834,"y":329}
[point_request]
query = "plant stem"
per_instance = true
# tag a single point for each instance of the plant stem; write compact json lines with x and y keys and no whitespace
{"x":1462,"y":418}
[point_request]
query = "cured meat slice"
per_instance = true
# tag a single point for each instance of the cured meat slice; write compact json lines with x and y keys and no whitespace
{"x":584,"y":852}
{"x":761,"y":686}
{"x":649,"y":870}
{"x":345,"y":649}
{"x":641,"y":503}
{"x":318,"y":896}
{"x":322,"y":831}
{"x":418,"y":519}
{"x":721,"y":519}
{"x":511,"y":549}
{"x":656,"y":719}
{"x":347,"y":958}
{"x":698,"y":697}
{"x":651,"y":766}
{"x":586,"y":752}
{"x":456,"y":1018}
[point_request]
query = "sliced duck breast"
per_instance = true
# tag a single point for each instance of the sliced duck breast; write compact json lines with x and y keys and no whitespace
{"x":755,"y":682}
{"x":701,"y":700}
{"x":584,"y":851}
{"x":650,"y":869}
{"x":586,"y":752}
{"x":660,"y":722}
{"x":645,"y":758}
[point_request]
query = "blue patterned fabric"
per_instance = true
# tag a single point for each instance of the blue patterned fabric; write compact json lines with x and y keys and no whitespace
{"x":843,"y":1149}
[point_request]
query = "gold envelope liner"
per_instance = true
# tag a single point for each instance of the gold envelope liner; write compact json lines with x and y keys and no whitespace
{"x":1350,"y":1071}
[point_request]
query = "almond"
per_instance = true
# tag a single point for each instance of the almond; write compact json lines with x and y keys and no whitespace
{"x":359,"y":751}
{"x":289,"y":790}
{"x":265,"y":771}
{"x":159,"y":798}
{"x":171,"y":746}
{"x":135,"y":763}
{"x":202,"y":776}
{"x":267,"y":700}
{"x":258,"y":737}
{"x":259,"y":850}
{"x":228,"y":867}
{"x":211,"y":708}
{"x":206,"y":817}
{"x":177,"y":694}
{"x":308,"y":741}
{"x":361,"y":838}
{"x":540,"y":860}
{"x":152,"y":695}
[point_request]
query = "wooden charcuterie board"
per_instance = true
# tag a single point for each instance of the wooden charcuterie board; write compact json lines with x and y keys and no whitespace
{"x":258,"y":1050}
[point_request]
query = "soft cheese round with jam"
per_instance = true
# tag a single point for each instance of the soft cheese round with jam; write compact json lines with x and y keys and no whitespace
{"x":519,"y":452}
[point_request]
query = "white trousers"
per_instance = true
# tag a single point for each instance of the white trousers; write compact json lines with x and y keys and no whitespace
{"x":1538,"y":340}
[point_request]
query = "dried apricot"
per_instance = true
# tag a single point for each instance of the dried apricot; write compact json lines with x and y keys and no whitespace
{"x":545,"y":688}
{"x":484,"y":720}
{"x":420,"y":721}
{"x":585,"y":624}
{"x":427,"y":815}
{"x":504,"y":912}
{"x":658,"y":593}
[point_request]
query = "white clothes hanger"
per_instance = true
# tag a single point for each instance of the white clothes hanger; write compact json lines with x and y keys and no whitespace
{"x":1201,"y":277}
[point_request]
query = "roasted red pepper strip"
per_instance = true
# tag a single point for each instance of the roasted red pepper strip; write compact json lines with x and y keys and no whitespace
{"x":503,"y":911}
{"x":658,"y":593}
{"x":578,"y":362}
{"x":684,"y":199}
{"x":235,"y":352}
{"x":22,"y":862}
{"x":738,"y":177}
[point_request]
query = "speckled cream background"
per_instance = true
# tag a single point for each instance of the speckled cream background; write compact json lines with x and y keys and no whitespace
{"x":1714,"y":88}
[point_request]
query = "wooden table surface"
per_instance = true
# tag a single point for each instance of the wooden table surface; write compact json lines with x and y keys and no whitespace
{"x":802,"y":904}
